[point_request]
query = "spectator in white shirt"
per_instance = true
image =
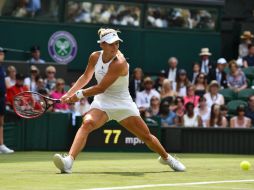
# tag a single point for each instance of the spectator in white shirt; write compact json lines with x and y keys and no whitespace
{"x":212,"y":96}
{"x":143,"y":98}
{"x":171,"y":72}
{"x":35,"y":55}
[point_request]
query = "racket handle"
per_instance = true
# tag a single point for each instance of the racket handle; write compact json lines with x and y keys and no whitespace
{"x":58,"y":101}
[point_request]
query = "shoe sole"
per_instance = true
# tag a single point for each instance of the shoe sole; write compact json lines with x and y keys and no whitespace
{"x":57,"y":159}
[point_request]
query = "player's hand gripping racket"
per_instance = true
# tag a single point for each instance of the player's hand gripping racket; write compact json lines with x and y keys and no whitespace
{"x":30,"y":104}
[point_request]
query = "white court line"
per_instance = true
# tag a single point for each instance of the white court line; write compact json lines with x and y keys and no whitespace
{"x":171,"y":185}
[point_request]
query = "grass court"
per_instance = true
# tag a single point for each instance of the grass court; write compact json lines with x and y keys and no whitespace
{"x":93,"y":170}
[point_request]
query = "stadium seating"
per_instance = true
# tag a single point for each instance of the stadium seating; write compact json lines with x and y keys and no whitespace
{"x":233,"y":104}
{"x":249,"y":72}
{"x":244,"y":94}
{"x":228,"y":94}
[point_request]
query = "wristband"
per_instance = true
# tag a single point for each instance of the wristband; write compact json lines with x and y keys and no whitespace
{"x":79,"y":94}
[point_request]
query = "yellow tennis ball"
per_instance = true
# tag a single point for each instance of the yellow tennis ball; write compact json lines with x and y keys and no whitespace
{"x":245,"y":165}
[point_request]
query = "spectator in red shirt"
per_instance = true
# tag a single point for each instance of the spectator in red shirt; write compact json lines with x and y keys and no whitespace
{"x":17,"y":88}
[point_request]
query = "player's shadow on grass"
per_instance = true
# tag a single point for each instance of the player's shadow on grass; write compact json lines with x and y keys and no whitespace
{"x":123,"y":173}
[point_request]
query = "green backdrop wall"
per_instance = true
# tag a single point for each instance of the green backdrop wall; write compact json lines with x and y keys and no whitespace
{"x":145,"y":48}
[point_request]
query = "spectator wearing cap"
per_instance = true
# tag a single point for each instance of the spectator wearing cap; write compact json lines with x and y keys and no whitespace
{"x":221,"y":75}
{"x":248,"y":60}
{"x":10,"y":79}
{"x":246,"y":38}
{"x":35,"y":55}
{"x":236,"y":78}
{"x":207,"y":66}
{"x":159,"y":80}
{"x":30,"y":81}
{"x":3,"y":148}
{"x":17,"y":88}
{"x":240,"y":121}
{"x":181,"y":83}
{"x":213,"y":96}
{"x":136,"y":82}
{"x":143,"y":98}
{"x":171,"y":71}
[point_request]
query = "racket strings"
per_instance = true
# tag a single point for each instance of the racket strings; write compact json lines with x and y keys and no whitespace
{"x":29,"y":105}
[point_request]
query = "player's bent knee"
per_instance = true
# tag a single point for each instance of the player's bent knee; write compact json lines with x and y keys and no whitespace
{"x":88,"y":125}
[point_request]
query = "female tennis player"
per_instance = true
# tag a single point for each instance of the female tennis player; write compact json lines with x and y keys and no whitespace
{"x":112,"y":101}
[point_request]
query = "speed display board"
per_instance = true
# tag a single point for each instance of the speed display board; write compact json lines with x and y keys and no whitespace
{"x":113,"y":137}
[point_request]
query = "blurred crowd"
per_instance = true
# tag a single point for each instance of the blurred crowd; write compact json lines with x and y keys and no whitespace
{"x":116,"y":14}
{"x":214,"y":94}
{"x":163,"y":17}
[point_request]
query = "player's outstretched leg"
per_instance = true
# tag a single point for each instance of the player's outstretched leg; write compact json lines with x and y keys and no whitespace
{"x":92,"y":120}
{"x":139,"y":128}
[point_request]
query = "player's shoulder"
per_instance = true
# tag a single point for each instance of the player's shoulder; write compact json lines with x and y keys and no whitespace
{"x":120,"y":59}
{"x":94,"y":56}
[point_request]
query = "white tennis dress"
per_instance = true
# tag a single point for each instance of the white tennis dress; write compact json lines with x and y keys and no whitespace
{"x":116,"y":100}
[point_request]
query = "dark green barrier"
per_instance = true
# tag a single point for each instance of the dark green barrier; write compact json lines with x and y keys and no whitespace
{"x":208,"y":140}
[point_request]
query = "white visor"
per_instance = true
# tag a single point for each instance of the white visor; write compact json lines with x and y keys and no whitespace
{"x":110,"y":38}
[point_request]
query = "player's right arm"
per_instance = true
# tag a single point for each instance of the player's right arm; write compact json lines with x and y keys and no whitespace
{"x":85,"y":77}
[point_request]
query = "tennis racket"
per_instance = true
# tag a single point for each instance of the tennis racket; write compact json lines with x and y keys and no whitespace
{"x":30,"y":104}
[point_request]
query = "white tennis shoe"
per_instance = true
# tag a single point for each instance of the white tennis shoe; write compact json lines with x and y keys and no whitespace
{"x":5,"y":150}
{"x":173,"y":163}
{"x":63,"y":163}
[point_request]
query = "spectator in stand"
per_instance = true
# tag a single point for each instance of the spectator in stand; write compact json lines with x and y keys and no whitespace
{"x":240,"y":121}
{"x":35,"y":55}
{"x":206,"y":65}
{"x":57,"y":93}
{"x":3,"y":149}
{"x":167,"y":91}
{"x":236,"y":78}
{"x":40,"y":85}
{"x":213,"y":96}
{"x":17,"y":88}
{"x":154,"y":108}
{"x":30,"y":81}
{"x":221,"y":75}
{"x":246,"y":38}
{"x":191,"y":97}
{"x":181,"y":83}
{"x":200,"y":84}
{"x":248,"y":60}
{"x":203,"y":111}
{"x":10,"y":80}
{"x":190,"y":118}
{"x":50,"y":80}
{"x":179,"y":110}
{"x":216,"y":119}
{"x":196,"y":71}
{"x":136,"y":83}
{"x":250,"y":109}
{"x":166,"y":115}
{"x":159,"y":81}
{"x":224,"y":112}
{"x":171,"y":72}
{"x":144,"y":97}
